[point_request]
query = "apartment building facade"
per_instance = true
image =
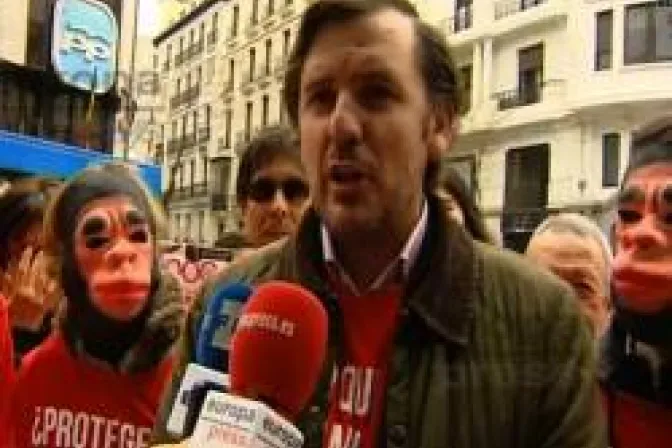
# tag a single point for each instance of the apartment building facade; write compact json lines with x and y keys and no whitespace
{"x":557,"y":89}
{"x":221,"y":68}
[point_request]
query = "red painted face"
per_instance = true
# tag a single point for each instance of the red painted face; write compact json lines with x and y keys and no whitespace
{"x":643,"y":263}
{"x":113,"y":247}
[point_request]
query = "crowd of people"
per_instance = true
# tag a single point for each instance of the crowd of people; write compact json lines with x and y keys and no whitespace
{"x":438,"y":337}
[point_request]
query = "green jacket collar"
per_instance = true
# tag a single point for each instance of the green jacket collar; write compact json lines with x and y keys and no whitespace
{"x":443,"y":283}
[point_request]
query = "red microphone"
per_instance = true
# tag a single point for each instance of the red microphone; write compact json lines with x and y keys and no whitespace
{"x":278,"y":348}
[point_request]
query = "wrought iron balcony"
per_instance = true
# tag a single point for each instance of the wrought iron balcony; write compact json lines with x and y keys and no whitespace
{"x":280,"y":67}
{"x":212,"y":38}
{"x":220,"y":202}
{"x":510,"y":99}
{"x":204,"y":134}
{"x":504,"y":8}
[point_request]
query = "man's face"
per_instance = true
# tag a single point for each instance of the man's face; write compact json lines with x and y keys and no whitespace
{"x":578,"y":261}
{"x":113,"y":250}
{"x":643,"y":262}
{"x":277,"y":199}
{"x":366,"y":127}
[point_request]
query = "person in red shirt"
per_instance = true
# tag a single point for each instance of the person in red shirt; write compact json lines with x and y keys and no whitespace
{"x":6,"y":368}
{"x":636,"y":369}
{"x":97,"y":380}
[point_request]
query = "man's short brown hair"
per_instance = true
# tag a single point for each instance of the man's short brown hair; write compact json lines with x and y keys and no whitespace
{"x":436,"y":64}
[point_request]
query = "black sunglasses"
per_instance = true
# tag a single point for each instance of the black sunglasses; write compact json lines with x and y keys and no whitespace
{"x":263,"y":190}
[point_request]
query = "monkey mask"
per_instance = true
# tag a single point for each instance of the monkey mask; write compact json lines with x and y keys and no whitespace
{"x":109,"y":270}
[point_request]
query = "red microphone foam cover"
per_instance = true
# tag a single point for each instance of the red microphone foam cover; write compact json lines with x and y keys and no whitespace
{"x":279,"y":346}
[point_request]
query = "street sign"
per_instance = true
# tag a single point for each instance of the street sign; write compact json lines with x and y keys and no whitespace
{"x":84,"y":48}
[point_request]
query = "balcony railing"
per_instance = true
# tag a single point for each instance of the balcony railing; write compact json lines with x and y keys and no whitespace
{"x":252,"y":29}
{"x":195,"y":49}
{"x":212,"y":38}
{"x":504,"y":8}
{"x":189,"y":140}
{"x":247,"y":83}
{"x":174,"y":145}
{"x":280,"y":67}
{"x":462,"y":20}
{"x":220,"y":202}
{"x":287,"y":10}
{"x":176,"y":101}
{"x":204,"y":134}
{"x":223,"y":145}
{"x":510,"y":99}
{"x":523,"y":219}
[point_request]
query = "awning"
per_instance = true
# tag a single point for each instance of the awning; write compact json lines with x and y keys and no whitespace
{"x":36,"y":156}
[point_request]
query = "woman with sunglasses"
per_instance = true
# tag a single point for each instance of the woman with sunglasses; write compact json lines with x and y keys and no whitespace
{"x":271,"y":190}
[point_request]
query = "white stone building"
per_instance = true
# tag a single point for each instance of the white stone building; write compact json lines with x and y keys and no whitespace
{"x":221,"y":66}
{"x":557,"y":88}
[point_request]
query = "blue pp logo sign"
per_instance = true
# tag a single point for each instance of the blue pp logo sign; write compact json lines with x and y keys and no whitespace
{"x":85,"y":39}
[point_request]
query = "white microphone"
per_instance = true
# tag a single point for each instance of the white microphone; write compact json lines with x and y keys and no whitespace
{"x":227,"y":421}
{"x":196,"y":382}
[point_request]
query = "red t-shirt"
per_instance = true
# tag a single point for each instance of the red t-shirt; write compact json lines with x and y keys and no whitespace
{"x":635,"y":423}
{"x":357,"y":395}
{"x":64,"y":401}
{"x":6,"y":369}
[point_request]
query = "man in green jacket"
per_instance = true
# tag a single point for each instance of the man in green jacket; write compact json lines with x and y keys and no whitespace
{"x":435,"y":340}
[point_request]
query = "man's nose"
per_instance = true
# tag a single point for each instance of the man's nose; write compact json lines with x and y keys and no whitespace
{"x":279,"y":203}
{"x":644,"y":234}
{"x":345,"y":125}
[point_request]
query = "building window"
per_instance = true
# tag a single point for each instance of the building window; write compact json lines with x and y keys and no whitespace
{"x":227,"y":129}
{"x":271,"y":7}
{"x":264,"y":110}
{"x":210,"y":70}
{"x":248,"y":120}
{"x":282,"y":114}
{"x":269,"y":49}
{"x":199,"y":75}
{"x":201,"y":33}
{"x":466,"y":78}
{"x":201,"y":223}
{"x":234,"y":21}
{"x":155,"y":61}
{"x":611,"y":156}
{"x":187,"y":227}
{"x":232,"y":72}
{"x":286,"y":36}
{"x":530,"y":74}
{"x":191,"y":36}
{"x":187,"y":84}
{"x":205,"y":164}
{"x":178,"y":86}
{"x":462,"y":20}
{"x":647,"y":34}
{"x":192,"y":172}
{"x":169,"y":50}
{"x":255,"y":12}
{"x":253,"y":63}
{"x":604,"y":23}
{"x":525,"y":193}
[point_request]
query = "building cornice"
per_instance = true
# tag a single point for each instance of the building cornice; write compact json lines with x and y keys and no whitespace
{"x":184,"y":21}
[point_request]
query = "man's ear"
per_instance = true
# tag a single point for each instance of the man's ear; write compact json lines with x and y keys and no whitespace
{"x":443,"y":127}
